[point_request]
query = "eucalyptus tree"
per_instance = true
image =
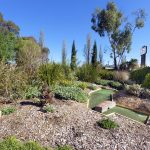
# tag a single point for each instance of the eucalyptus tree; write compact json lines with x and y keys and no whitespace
{"x":111,"y":22}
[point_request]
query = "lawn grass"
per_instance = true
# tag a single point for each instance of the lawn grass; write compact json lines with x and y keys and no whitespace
{"x":128,"y":113}
{"x":99,"y":97}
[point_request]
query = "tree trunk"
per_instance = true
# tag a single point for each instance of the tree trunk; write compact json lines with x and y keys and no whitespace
{"x":115,"y":61}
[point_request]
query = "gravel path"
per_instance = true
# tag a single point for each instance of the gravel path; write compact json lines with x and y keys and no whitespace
{"x":73,"y":124}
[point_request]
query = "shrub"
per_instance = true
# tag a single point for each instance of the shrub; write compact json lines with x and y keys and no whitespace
{"x":82,"y":85}
{"x":32,"y":145}
{"x":113,"y":84}
{"x":8,"y":110}
{"x":107,"y":124}
{"x":51,"y":73}
{"x":103,"y":82}
{"x":140,"y":74}
{"x":48,"y":108}
{"x":12,"y":82}
{"x":72,"y":93}
{"x":134,"y":89}
{"x":32,"y":92}
{"x":91,"y":87}
{"x":87,"y":73}
{"x":121,"y":76}
{"x":11,"y":143}
{"x":66,"y":147}
{"x":106,"y":74}
{"x":116,"y":85}
{"x":146,"y":83}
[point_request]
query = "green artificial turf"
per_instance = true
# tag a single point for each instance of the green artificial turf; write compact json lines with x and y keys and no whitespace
{"x":99,"y":97}
{"x":128,"y":113}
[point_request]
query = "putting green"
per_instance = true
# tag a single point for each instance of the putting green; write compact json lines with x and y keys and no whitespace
{"x":99,"y":97}
{"x":128,"y":113}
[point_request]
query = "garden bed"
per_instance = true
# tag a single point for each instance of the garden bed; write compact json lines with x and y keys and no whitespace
{"x":75,"y":125}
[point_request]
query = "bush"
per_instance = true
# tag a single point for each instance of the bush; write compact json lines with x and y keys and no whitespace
{"x":121,"y":76}
{"x":139,"y":75}
{"x":87,"y":73}
{"x":12,"y":82}
{"x":82,"y":85}
{"x":113,"y":84}
{"x":48,"y":108}
{"x":103,"y":82}
{"x":146,"y":83}
{"x":106,"y":74}
{"x":107,"y":124}
{"x":91,"y":87}
{"x":32,"y":92}
{"x":8,"y":110}
{"x":72,"y":93}
{"x":116,"y":85}
{"x":134,"y":89}
{"x":11,"y":143}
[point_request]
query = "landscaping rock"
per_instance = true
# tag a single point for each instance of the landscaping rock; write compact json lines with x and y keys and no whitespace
{"x":104,"y":106}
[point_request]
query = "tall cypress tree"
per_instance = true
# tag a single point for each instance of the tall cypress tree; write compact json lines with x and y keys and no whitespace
{"x":73,"y":64}
{"x":94,"y":55}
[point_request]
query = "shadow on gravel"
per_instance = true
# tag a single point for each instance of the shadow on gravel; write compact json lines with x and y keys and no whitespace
{"x":27,"y":103}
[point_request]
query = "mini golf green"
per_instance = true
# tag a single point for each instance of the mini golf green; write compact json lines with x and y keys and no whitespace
{"x":99,"y":97}
{"x":128,"y":113}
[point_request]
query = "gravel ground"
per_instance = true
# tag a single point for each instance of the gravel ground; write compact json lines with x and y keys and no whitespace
{"x":75,"y":125}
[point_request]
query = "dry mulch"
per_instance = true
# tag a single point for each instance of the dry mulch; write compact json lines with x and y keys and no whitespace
{"x":73,"y":124}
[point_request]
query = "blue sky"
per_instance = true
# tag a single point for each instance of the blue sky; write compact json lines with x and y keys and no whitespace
{"x":70,"y":20}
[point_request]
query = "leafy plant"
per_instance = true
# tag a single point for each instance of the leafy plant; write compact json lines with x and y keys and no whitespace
{"x":107,"y":124}
{"x":72,"y":93}
{"x":8,"y":110}
{"x":103,"y":82}
{"x":32,"y":92}
{"x":140,"y":74}
{"x":106,"y":74}
{"x":146,"y":83}
{"x":91,"y":87}
{"x":134,"y":89}
{"x":48,"y":108}
{"x":116,"y":85}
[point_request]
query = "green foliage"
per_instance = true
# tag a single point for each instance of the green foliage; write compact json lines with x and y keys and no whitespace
{"x":116,"y":85}
{"x":33,"y":146}
{"x":134,"y":89}
{"x":48,"y":108}
{"x":82,"y":85}
{"x":72,"y":93}
{"x":8,"y":110}
{"x":107,"y":124}
{"x":140,"y":74}
{"x":94,"y":55}
{"x":87,"y":73}
{"x":92,"y":87}
{"x":106,"y":74}
{"x":66,"y":147}
{"x":73,"y":64}
{"x":12,"y":82}
{"x":110,"y":22}
{"x":113,"y":84}
{"x":146,"y":83}
{"x":11,"y":144}
{"x":32,"y":92}
{"x":51,"y":73}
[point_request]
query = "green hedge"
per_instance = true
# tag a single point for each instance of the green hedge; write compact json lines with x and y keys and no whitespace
{"x":139,"y":75}
{"x":146,"y":83}
{"x":106,"y":74}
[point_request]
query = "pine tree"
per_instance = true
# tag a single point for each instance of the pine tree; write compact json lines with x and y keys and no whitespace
{"x":94,"y":55}
{"x":73,"y":64}
{"x":41,"y":39}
